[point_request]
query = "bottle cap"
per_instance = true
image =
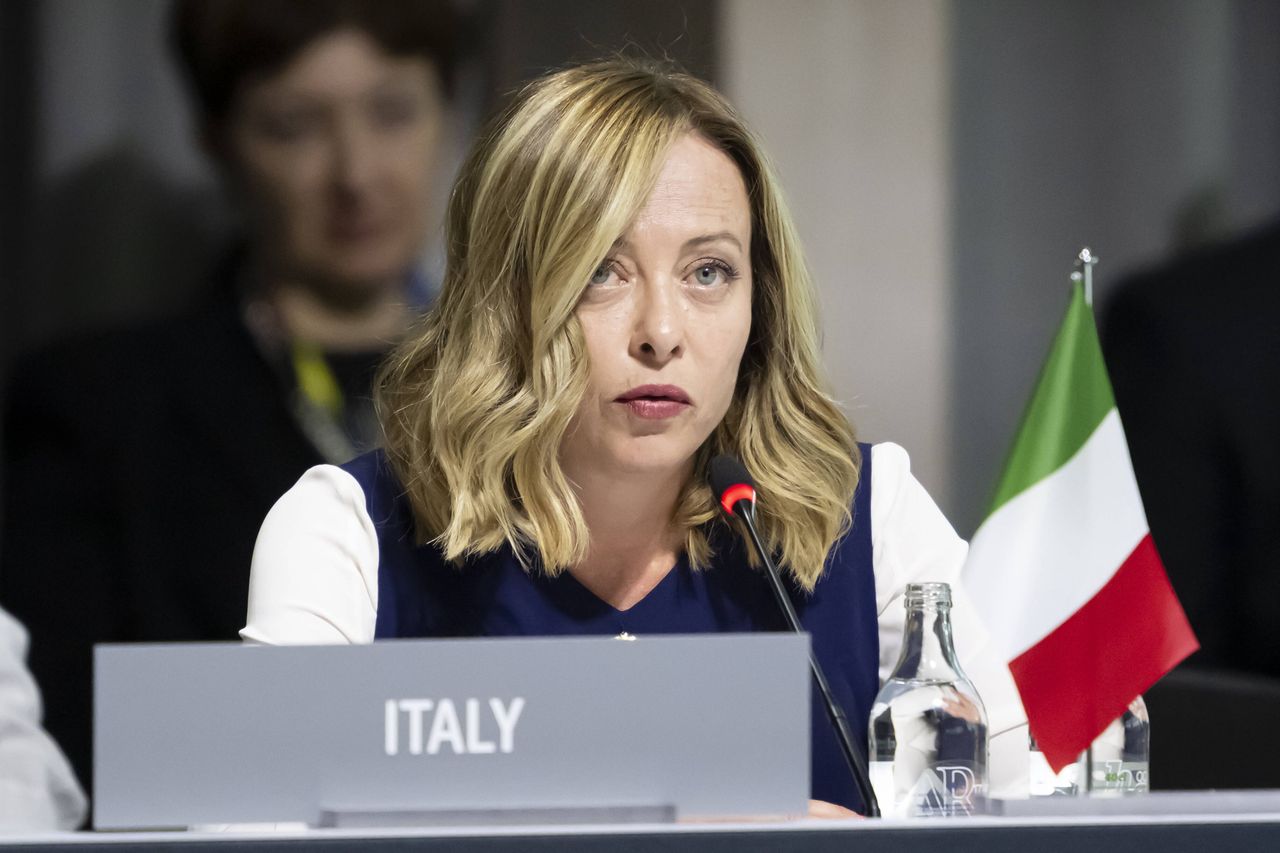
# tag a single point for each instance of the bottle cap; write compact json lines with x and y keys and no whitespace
{"x":931,"y":594}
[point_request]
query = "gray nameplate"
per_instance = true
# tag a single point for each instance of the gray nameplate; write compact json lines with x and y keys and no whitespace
{"x":224,"y":733}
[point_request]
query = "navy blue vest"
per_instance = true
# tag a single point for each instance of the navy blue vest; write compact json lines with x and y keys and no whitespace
{"x":419,"y":595}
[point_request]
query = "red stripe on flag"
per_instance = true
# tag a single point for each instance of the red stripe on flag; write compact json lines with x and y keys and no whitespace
{"x":1083,"y":675}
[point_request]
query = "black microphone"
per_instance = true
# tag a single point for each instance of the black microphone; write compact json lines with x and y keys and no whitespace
{"x":736,"y":491}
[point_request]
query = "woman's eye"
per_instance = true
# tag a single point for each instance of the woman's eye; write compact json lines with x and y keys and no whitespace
{"x":285,"y":127}
{"x":708,"y":274}
{"x":601,"y":275}
{"x":394,"y":112}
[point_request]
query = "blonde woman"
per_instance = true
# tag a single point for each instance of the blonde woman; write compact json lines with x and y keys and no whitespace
{"x":624,"y":298}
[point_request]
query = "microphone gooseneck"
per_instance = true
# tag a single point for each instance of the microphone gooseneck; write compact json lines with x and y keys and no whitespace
{"x":736,"y":491}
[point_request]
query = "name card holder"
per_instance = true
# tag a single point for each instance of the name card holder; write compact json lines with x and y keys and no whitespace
{"x":452,"y":732}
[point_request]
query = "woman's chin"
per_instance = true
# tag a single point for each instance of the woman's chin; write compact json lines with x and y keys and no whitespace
{"x":365,"y":270}
{"x":653,"y":456}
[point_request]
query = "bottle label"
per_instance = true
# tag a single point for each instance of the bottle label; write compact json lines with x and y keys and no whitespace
{"x":948,"y":789}
{"x":1131,"y":777}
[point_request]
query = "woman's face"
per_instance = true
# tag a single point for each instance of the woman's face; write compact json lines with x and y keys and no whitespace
{"x":666,"y":319}
{"x":334,"y":155}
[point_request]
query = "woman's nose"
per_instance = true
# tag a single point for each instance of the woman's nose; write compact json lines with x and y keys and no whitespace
{"x":660,"y":323}
{"x":355,"y":159}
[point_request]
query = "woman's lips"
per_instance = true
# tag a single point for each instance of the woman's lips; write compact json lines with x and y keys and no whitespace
{"x":652,"y":409}
{"x":655,"y":402}
{"x":355,"y":230}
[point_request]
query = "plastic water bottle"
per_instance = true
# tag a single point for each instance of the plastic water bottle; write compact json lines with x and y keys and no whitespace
{"x":928,"y":730}
{"x":1117,"y":764}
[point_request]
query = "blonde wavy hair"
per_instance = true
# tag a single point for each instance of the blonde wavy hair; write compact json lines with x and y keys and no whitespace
{"x":475,"y":403}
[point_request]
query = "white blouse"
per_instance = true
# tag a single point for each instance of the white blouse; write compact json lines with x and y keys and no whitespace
{"x":315,"y":580}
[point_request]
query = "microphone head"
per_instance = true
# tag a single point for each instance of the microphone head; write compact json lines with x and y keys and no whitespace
{"x":730,"y":482}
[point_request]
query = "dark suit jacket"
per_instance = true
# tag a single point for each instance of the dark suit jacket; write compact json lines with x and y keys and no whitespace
{"x":138,"y":466}
{"x":1194,"y":355}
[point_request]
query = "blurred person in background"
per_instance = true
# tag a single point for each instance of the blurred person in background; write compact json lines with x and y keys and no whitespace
{"x":1194,"y":357}
{"x":138,"y":463}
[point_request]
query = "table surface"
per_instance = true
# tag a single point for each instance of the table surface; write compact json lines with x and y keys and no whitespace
{"x":1162,"y":832}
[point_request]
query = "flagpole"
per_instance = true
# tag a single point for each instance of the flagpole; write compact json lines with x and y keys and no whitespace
{"x":1084,"y":272}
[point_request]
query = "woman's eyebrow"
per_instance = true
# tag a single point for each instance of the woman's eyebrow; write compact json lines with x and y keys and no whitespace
{"x":719,"y":236}
{"x":622,"y":244}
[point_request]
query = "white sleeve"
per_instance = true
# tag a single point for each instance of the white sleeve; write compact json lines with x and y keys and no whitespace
{"x":912,"y":542}
{"x":38,"y":791}
{"x":314,"y":578}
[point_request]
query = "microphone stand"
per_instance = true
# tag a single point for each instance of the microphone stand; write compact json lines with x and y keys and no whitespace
{"x":745,"y":509}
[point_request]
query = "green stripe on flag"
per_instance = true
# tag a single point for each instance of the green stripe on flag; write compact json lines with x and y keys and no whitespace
{"x":1072,"y":397}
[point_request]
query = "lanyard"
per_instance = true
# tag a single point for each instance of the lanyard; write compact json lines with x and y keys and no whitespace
{"x":316,"y":402}
{"x":315,"y":379}
{"x":315,"y":399}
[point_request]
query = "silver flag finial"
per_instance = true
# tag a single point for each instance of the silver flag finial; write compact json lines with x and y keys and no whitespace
{"x":1084,"y":270}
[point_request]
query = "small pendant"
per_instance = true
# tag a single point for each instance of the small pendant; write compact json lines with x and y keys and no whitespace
{"x":630,"y":638}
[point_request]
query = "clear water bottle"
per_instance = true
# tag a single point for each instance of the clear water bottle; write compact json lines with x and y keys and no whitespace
{"x":1117,"y":764}
{"x":928,"y":730}
{"x":1043,"y":782}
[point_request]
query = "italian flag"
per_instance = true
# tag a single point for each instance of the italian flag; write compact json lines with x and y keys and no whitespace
{"x":1063,"y":569}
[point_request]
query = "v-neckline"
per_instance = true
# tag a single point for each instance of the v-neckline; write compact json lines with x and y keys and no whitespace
{"x":671,"y":577}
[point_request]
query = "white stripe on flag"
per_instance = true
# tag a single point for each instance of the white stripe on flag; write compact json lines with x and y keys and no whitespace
{"x":1038,"y":558}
